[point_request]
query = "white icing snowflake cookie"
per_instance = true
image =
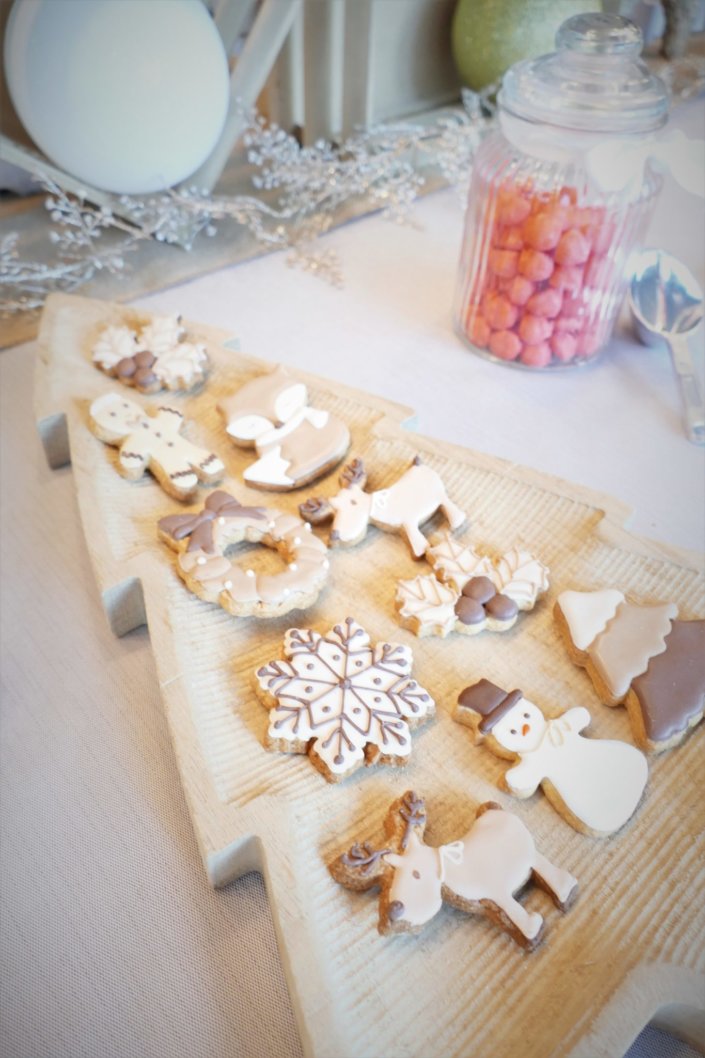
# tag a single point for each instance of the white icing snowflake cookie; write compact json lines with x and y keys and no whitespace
{"x":469,"y":592}
{"x":154,"y":359}
{"x":342,"y":700}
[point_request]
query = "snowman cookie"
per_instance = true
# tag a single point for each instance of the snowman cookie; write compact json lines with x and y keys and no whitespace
{"x":153,"y":442}
{"x":595,"y":784}
{"x":295,"y":443}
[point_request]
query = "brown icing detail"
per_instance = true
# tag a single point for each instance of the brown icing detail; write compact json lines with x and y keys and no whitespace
{"x":395,"y":911}
{"x":131,"y":455}
{"x":481,"y":589}
{"x":144,"y":359}
{"x":353,"y":474}
{"x":672,"y":690}
{"x":315,"y":510}
{"x":413,"y":812}
{"x":363,"y":858}
{"x":469,"y":611}
{"x":307,"y":448}
{"x":489,"y":701}
{"x":502,"y":608}
{"x":199,"y":526}
{"x":126,"y":367}
{"x":633,"y":636}
{"x":259,"y":396}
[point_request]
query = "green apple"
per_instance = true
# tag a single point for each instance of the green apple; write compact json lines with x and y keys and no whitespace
{"x":489,"y":36}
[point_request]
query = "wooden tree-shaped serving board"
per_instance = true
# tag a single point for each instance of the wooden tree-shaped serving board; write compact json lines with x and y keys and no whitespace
{"x":632,"y":947}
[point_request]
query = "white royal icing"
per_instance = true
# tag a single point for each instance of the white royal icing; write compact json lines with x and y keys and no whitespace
{"x":587,"y":612}
{"x":113,"y":345}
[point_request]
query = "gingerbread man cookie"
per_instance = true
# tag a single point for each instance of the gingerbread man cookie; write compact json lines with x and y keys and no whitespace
{"x":479,"y":874}
{"x":203,"y":538}
{"x":641,"y":656}
{"x":295,"y":443}
{"x":409,"y":502}
{"x":156,"y":358}
{"x":595,"y":784}
{"x":342,"y":700}
{"x":154,"y":443}
{"x":476,"y":593}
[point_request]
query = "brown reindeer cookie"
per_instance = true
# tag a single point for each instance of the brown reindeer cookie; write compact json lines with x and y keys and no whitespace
{"x":479,"y":874}
{"x":295,"y":443}
{"x":343,"y":700}
{"x":409,"y":502}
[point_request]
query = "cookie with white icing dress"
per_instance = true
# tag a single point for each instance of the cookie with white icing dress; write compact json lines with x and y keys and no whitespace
{"x":469,"y":593}
{"x":153,"y":359}
{"x":480,"y":873}
{"x":595,"y":784}
{"x":401,"y":508}
{"x":342,"y":699}
{"x":639,"y":655}
{"x":210,"y":570}
{"x":153,"y":442}
{"x":295,"y":443}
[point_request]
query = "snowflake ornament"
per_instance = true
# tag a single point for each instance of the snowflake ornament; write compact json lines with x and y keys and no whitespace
{"x":342,"y":700}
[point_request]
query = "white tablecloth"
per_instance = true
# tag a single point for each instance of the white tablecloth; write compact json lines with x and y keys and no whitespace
{"x":113,"y":945}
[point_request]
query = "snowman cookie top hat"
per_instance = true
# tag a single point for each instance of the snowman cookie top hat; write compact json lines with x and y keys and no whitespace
{"x":489,"y":702}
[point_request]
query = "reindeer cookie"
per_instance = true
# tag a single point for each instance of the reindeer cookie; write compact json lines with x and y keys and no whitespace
{"x":154,"y":443}
{"x":157,"y":358}
{"x":595,"y":784}
{"x":641,"y":656}
{"x":469,"y":593}
{"x":480,"y":873}
{"x":409,"y":502}
{"x":342,"y":700}
{"x":295,"y":443}
{"x":204,"y":537}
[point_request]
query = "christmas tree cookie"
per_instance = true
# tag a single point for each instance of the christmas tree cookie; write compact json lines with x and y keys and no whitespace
{"x":642,"y":656}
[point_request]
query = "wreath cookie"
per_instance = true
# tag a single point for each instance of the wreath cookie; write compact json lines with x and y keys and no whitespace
{"x":343,"y":700}
{"x":203,"y":537}
{"x":153,"y":442}
{"x":479,"y":874}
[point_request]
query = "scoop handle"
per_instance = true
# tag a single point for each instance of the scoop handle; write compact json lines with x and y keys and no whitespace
{"x":691,"y":394}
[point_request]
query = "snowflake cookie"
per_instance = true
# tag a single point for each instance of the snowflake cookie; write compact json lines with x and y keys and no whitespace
{"x":468,"y":592}
{"x":478,"y":874}
{"x":157,"y":358}
{"x":342,"y":700}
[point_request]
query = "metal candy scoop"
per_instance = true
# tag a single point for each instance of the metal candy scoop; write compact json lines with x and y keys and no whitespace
{"x":667,"y":305}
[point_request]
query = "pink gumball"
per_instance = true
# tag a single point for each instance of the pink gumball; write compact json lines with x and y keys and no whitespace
{"x":535,"y":329}
{"x":545,"y":303}
{"x":478,"y":330}
{"x":567,"y":324}
{"x":567,"y":278}
{"x":505,"y":345}
{"x":512,"y":208}
{"x":588,"y":342}
{"x":573,"y":248}
{"x":535,"y":265}
{"x":520,"y":290}
{"x":499,"y":311}
{"x":508,"y":239}
{"x":564,"y":346}
{"x":543,"y":230}
{"x":504,"y":263}
{"x":536,"y":355}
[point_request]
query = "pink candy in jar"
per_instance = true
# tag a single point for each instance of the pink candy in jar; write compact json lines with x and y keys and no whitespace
{"x":548,"y":235}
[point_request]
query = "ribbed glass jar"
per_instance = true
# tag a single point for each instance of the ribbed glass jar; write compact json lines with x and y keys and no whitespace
{"x":554,"y":210}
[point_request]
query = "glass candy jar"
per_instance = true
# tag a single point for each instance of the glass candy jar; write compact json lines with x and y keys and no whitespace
{"x":560,"y":196}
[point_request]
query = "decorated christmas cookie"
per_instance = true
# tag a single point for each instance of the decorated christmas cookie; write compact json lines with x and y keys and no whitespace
{"x":595,"y":784}
{"x":342,"y":700}
{"x":154,"y":443}
{"x":641,"y":656}
{"x":477,"y":593}
{"x":203,"y":538}
{"x":156,"y":358}
{"x":480,"y":873}
{"x":295,"y":443}
{"x":402,"y":508}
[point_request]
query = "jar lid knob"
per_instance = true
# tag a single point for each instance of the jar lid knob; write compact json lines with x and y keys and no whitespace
{"x":596,"y":34}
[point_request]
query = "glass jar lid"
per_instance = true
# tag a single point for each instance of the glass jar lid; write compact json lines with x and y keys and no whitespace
{"x":594,"y":81}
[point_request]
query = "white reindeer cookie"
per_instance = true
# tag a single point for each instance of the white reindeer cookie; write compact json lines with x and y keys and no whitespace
{"x":480,"y":873}
{"x":595,"y":784}
{"x":343,"y":700}
{"x":295,"y":443}
{"x":153,"y":442}
{"x":409,"y":502}
{"x":154,"y":359}
{"x":468,"y":592}
{"x":204,"y":539}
